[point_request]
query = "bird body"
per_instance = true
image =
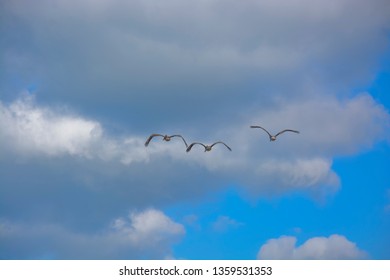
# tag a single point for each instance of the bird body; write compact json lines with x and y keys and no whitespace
{"x":166,"y":138}
{"x":273,"y":137}
{"x":207,"y":148}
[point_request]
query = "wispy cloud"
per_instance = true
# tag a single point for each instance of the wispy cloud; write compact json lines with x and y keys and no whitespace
{"x":224,"y":223}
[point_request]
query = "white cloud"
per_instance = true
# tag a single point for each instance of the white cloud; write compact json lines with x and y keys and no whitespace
{"x":148,"y":228}
{"x":149,"y":234}
{"x":34,"y":129}
{"x":31,"y":129}
{"x":333,"y":247}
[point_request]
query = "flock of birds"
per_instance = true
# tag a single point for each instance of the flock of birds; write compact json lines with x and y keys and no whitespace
{"x":208,"y":148}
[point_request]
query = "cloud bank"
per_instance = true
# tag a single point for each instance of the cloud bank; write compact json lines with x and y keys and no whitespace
{"x":118,"y":57}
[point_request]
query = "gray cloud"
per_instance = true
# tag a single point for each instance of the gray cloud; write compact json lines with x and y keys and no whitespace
{"x":116,"y":57}
{"x":146,"y":234}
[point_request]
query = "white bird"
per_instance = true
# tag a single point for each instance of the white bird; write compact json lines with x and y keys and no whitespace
{"x":273,"y":137}
{"x":165,"y":138}
{"x":207,"y":148}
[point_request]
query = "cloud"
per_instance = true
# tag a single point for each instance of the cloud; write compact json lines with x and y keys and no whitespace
{"x":41,"y":130}
{"x":306,"y":173}
{"x":148,"y":228}
{"x":31,"y":129}
{"x":116,"y":57}
{"x":327,"y":125}
{"x":224,"y":223}
{"x":333,"y":247}
{"x":208,"y":71}
{"x":57,"y":157}
{"x":302,"y":161}
{"x":146,"y":234}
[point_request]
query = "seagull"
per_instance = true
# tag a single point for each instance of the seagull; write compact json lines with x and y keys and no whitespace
{"x":273,"y":137}
{"x":165,"y":138}
{"x":207,"y":148}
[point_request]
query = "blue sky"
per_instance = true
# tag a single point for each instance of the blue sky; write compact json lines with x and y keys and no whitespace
{"x":83,"y":84}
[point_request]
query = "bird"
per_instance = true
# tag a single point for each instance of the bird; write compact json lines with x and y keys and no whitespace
{"x":273,"y":137}
{"x":165,"y":138}
{"x":207,"y":148}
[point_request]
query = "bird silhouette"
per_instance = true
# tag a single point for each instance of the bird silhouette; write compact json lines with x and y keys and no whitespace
{"x":273,"y":137}
{"x":207,"y":148}
{"x":165,"y":138}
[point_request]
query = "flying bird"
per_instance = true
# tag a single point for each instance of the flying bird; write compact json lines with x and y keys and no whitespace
{"x":207,"y":148}
{"x":165,"y":138}
{"x":273,"y":137}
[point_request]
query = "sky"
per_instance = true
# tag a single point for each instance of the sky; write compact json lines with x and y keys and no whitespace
{"x":84,"y":83}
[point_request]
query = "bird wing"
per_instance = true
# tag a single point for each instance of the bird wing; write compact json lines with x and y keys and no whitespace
{"x":295,"y":131}
{"x":256,"y":126}
{"x":192,"y":144}
{"x":150,"y":138}
{"x":220,"y":142}
{"x":177,"y":135}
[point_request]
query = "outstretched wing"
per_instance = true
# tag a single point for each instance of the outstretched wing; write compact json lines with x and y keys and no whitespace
{"x":220,"y":142}
{"x":177,"y":135}
{"x":150,"y":138}
{"x":256,"y":126}
{"x":295,"y":131}
{"x":192,"y":144}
